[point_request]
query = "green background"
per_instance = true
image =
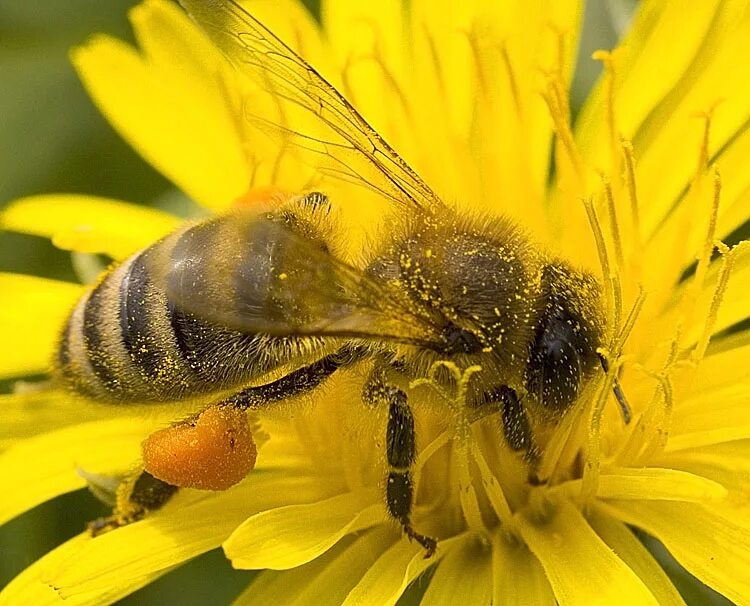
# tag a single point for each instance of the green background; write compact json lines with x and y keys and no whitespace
{"x":52,"y":139}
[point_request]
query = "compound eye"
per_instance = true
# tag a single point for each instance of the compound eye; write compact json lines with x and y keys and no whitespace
{"x":554,"y":372}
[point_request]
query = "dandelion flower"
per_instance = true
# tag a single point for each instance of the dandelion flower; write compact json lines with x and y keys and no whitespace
{"x":648,"y":190}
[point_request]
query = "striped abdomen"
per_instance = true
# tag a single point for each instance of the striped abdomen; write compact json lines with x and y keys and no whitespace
{"x":126,"y":341}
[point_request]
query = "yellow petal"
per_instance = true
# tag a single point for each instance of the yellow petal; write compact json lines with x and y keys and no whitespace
{"x":643,"y":80}
{"x":517,"y":576}
{"x":324,"y":581}
{"x":183,"y":122}
{"x":636,"y":556}
{"x":734,"y":304}
{"x":727,"y":463}
{"x":88,"y":224}
{"x":40,"y":410}
{"x":710,"y":547}
{"x":464,"y":575}
{"x":289,"y":536}
{"x":292,"y":22}
{"x":650,"y":483}
{"x":725,"y":368}
{"x":346,"y":570}
{"x":41,"y":468}
{"x":282,"y":586}
{"x":515,"y":44}
{"x":191,"y":523}
{"x":713,"y":410}
{"x":367,"y":40}
{"x":707,"y":437}
{"x":390,"y":575}
{"x":569,"y":551}
{"x":709,"y":83}
{"x":31,"y":318}
{"x":30,"y":587}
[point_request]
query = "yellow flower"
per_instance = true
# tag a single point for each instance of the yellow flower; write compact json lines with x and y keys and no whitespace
{"x":642,"y":190}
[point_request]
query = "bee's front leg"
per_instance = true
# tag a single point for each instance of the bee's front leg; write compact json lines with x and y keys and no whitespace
{"x":400,"y":441}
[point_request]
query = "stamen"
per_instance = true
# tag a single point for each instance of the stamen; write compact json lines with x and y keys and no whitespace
{"x":704,"y":258}
{"x":562,"y":86}
{"x":471,"y":37}
{"x":346,"y":80}
{"x":609,"y":102}
{"x":655,"y":424}
{"x":436,"y":62}
{"x":511,"y":79}
{"x":613,"y":290}
{"x":461,"y":437}
{"x":704,"y":156}
{"x":614,"y":227}
{"x":556,"y":97}
{"x":466,"y":492}
{"x":627,"y":150}
{"x":492,"y":487}
{"x":630,"y":321}
{"x":557,"y":103}
{"x":593,"y":452}
{"x":392,"y":82}
{"x":728,"y":257}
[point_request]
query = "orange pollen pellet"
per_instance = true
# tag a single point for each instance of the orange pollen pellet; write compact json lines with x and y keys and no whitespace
{"x":213,"y":452}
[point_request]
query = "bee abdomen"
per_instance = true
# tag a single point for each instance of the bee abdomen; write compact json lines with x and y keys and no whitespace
{"x":118,"y":343}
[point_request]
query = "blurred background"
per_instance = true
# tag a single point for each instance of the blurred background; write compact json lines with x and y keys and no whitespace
{"x":52,"y":139}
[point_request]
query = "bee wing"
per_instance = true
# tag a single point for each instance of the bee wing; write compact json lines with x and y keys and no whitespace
{"x":256,"y":274}
{"x":349,"y":147}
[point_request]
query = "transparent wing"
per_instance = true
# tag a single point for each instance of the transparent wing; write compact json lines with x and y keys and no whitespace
{"x":346,"y":147}
{"x":256,"y":274}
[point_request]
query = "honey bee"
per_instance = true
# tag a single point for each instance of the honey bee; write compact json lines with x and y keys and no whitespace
{"x":218,"y":305}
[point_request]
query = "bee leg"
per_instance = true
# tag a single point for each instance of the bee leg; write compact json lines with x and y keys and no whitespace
{"x":295,"y":383}
{"x":134,"y":500}
{"x":516,"y":426}
{"x":400,"y":440}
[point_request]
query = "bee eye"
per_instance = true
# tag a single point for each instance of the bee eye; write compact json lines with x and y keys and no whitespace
{"x":559,"y":358}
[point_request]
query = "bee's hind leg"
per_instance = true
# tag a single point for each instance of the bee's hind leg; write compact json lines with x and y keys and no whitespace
{"x":400,"y":440}
{"x":134,"y":499}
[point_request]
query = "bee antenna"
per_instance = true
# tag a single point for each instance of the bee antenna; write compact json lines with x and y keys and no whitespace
{"x":619,"y":395}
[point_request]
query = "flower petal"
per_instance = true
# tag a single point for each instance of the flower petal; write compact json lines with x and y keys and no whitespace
{"x":710,"y":547}
{"x":282,"y":586}
{"x":192,"y":523}
{"x":642,"y":82}
{"x":289,"y":536}
{"x":88,"y":224}
{"x":463,"y":575}
{"x":569,"y":551}
{"x":390,"y":575}
{"x":44,"y":467}
{"x":39,"y":410}
{"x":518,"y":578}
{"x":182,"y":121}
{"x":30,"y":587}
{"x":324,"y":581}
{"x":650,"y":483}
{"x":727,"y":463}
{"x":636,"y":556}
{"x":514,"y":45}
{"x":715,"y":409}
{"x":725,"y":368}
{"x":31,"y":318}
